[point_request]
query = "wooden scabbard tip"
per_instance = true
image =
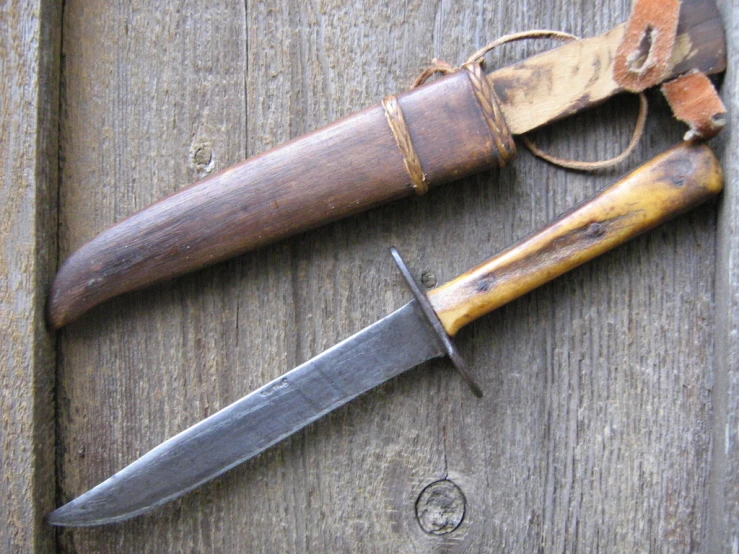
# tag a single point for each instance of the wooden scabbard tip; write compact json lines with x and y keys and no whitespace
{"x":57,"y":314}
{"x":73,"y":292}
{"x":52,"y":318}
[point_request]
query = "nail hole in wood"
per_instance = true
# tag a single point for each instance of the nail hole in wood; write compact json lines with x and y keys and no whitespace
{"x":201,"y":157}
{"x":428,"y":279}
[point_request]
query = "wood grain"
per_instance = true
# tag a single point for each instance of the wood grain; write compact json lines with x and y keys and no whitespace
{"x":29,"y":65}
{"x":722,"y":512}
{"x":596,"y":431}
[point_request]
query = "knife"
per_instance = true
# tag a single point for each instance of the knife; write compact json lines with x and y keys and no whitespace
{"x":671,"y":183}
{"x":454,"y":126}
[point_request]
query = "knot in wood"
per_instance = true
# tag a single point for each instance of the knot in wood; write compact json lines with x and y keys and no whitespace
{"x":440,"y":507}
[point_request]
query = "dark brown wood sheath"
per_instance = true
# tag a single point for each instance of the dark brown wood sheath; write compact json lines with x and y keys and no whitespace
{"x":344,"y":168}
{"x":444,"y":130}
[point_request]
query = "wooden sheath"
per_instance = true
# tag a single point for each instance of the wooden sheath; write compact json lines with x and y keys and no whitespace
{"x":355,"y":164}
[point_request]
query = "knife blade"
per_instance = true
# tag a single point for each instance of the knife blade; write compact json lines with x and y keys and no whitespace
{"x":671,"y":183}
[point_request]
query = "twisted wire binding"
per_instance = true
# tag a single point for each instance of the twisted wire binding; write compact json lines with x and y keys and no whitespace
{"x":399,"y":127}
{"x":488,"y":101}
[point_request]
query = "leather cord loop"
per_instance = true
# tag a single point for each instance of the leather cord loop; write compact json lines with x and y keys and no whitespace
{"x":601,"y":164}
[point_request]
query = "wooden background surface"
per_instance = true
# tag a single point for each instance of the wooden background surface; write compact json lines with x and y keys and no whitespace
{"x":609,"y":421}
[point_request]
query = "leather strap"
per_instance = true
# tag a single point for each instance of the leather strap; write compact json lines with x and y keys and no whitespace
{"x":642,"y":58}
{"x":694,"y":100}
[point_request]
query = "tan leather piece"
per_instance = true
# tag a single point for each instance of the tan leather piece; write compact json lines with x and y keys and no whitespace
{"x":694,"y":100}
{"x":642,"y":58}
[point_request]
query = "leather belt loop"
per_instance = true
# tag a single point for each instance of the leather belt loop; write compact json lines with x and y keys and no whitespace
{"x":643,"y":56}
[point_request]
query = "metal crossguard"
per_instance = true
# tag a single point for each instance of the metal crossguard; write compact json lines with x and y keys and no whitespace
{"x":433,"y":319}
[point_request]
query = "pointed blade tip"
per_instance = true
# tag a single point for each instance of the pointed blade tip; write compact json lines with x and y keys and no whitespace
{"x":69,"y":516}
{"x":66,"y":516}
{"x":79,"y":513}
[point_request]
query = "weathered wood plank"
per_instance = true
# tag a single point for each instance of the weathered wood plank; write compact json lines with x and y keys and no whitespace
{"x":29,"y":65}
{"x":153,"y":100}
{"x":595,"y":432}
{"x":723,"y":507}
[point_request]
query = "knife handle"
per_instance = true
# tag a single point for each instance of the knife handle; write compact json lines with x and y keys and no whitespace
{"x":672,"y":183}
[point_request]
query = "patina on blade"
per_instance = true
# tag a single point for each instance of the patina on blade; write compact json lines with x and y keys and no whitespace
{"x":242,"y":430}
